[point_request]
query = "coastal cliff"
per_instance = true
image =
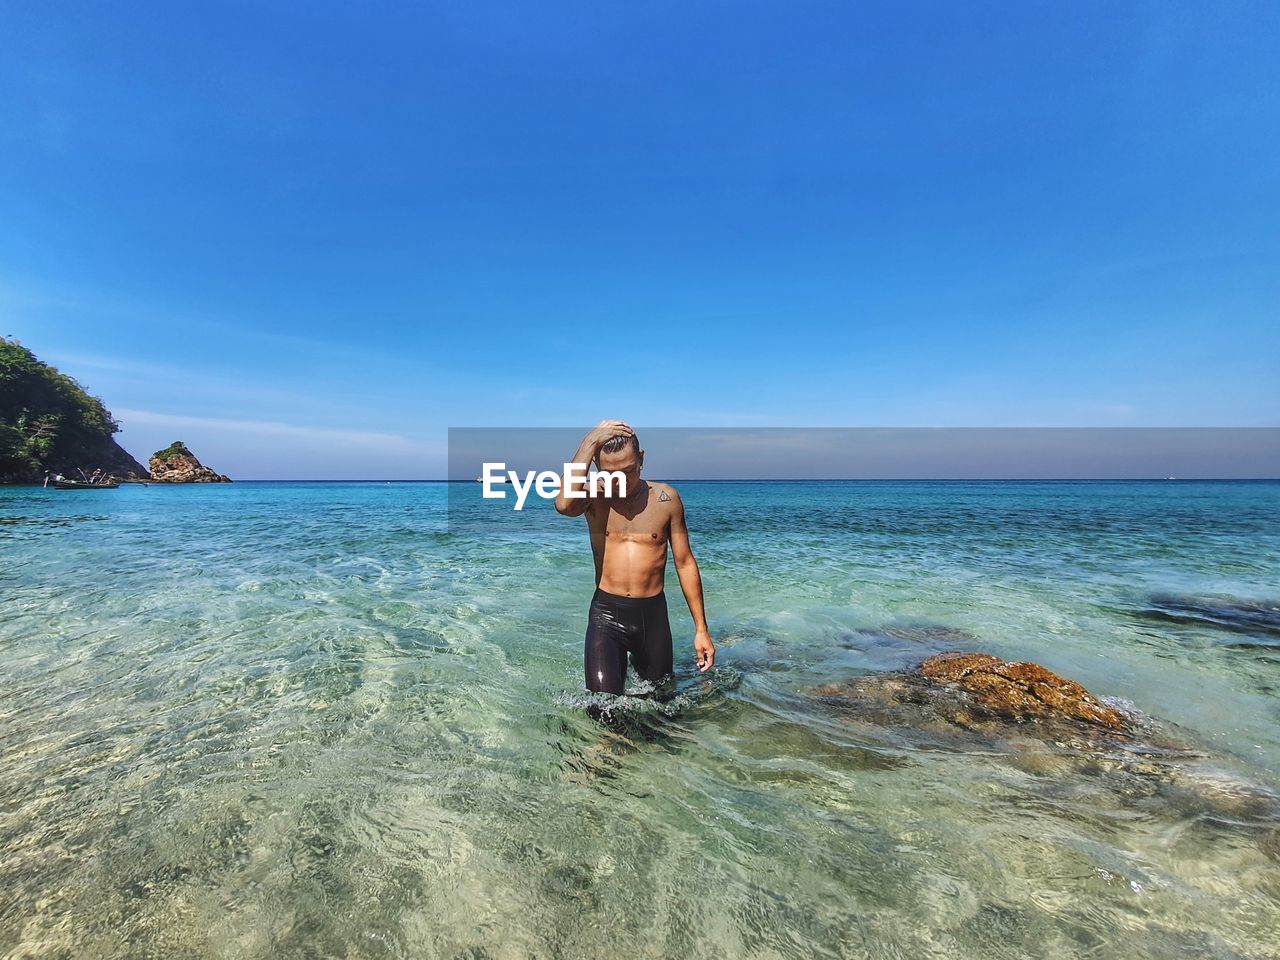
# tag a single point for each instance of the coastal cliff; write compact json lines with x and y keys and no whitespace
{"x":50,"y":424}
{"x":177,"y":464}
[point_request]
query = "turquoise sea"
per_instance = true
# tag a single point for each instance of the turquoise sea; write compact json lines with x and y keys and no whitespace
{"x":304,"y":720}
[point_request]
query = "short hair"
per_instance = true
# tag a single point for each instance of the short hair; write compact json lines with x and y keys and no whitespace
{"x":615,"y":444}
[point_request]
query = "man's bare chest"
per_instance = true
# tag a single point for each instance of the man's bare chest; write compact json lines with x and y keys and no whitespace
{"x":649,"y":526}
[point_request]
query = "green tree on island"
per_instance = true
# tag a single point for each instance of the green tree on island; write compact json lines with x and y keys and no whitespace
{"x":175,"y":449}
{"x":48,"y":422}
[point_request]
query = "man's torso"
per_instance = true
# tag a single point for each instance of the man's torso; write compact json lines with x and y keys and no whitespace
{"x":629,"y":541}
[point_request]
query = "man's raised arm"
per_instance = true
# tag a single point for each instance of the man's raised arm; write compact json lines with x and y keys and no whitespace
{"x":576,"y":506}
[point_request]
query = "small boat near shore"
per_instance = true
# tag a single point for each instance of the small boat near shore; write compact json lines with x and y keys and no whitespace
{"x":98,"y":481}
{"x":84,"y":485}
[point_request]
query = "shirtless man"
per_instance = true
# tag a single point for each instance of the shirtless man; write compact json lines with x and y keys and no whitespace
{"x":629,"y":537}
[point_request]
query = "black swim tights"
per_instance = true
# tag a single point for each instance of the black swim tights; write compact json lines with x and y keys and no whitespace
{"x":617,"y":626}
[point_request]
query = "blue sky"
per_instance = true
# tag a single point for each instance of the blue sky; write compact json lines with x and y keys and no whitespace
{"x":307,"y":238}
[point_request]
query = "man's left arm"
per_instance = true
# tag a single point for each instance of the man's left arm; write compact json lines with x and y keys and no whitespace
{"x":690,"y":582}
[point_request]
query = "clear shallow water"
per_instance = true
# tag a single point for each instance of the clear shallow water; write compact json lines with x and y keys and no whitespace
{"x":300,"y":720}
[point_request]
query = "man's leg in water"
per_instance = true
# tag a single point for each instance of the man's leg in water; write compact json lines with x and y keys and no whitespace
{"x":605,"y":650}
{"x":652,"y":656}
{"x":615,"y":626}
{"x":618,"y":625}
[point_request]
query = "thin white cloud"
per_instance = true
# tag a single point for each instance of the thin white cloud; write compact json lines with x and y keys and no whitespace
{"x":393,"y":441}
{"x":36,"y":296}
{"x":230,"y":388}
{"x":118,"y":364}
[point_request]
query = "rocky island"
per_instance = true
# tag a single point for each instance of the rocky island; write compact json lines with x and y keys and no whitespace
{"x":50,"y":424}
{"x":177,"y":464}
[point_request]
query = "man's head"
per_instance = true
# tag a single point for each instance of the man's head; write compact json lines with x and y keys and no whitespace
{"x":622,"y":454}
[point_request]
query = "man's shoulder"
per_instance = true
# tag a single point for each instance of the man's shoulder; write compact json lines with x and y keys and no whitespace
{"x":665,"y":492}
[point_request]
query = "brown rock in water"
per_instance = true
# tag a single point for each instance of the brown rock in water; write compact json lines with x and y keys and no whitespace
{"x":1054,"y":729}
{"x":974,"y":690}
{"x":954,"y":666}
{"x":1019,"y":690}
{"x":177,"y":464}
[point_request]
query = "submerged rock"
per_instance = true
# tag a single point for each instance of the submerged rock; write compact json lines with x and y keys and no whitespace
{"x":970,"y":688}
{"x":1257,"y":620}
{"x":176,"y":464}
{"x":1019,"y":690}
{"x":1053,"y":728}
{"x":930,"y":634}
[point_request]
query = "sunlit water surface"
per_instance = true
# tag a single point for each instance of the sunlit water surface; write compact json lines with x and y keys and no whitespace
{"x":301,"y":720}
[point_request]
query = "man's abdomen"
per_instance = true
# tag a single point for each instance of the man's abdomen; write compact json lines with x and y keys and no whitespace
{"x":633,"y":568}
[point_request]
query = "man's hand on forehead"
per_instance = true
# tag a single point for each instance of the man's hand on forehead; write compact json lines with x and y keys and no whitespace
{"x":608,"y":429}
{"x":608,"y":432}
